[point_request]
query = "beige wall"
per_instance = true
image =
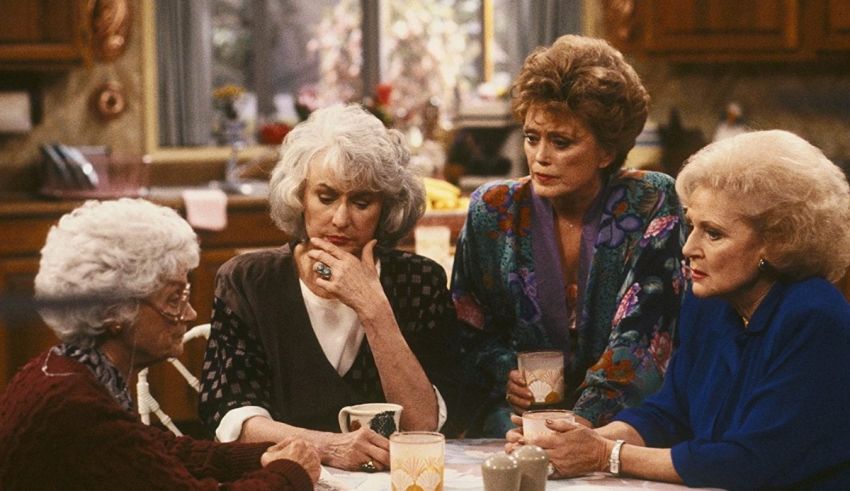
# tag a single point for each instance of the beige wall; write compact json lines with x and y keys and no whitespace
{"x":68,"y":117}
{"x":812,"y":101}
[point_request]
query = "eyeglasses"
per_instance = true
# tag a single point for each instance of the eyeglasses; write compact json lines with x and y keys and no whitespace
{"x":182,"y":307}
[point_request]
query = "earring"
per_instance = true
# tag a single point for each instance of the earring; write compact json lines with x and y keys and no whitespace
{"x":764,"y":266}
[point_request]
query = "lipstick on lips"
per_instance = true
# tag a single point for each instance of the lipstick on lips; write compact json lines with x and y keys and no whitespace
{"x":337,"y":240}
{"x":543,"y":178}
{"x":696,"y":274}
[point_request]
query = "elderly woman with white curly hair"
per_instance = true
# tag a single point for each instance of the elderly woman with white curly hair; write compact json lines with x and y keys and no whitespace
{"x":337,"y":316}
{"x":756,"y":395}
{"x":113,"y":279}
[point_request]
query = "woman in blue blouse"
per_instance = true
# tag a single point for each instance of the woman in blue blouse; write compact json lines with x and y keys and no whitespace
{"x":750,"y":399}
{"x":580,"y":256}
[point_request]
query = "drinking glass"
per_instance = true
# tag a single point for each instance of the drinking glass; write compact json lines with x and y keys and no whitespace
{"x":417,"y":459}
{"x":534,"y":422}
{"x":544,"y":374}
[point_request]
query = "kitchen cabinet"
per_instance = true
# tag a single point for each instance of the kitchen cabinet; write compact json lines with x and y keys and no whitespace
{"x":834,"y":19}
{"x":44,"y":34}
{"x":730,"y":30}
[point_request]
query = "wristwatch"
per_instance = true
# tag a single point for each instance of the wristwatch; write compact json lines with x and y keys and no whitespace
{"x":614,"y":459}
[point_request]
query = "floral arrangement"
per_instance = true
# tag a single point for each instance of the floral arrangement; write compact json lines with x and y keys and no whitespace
{"x":379,"y":103}
{"x":273,"y":133}
{"x":229,"y":129}
{"x":225,"y":98}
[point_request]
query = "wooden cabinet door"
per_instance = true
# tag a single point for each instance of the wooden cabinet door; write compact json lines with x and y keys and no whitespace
{"x":722,"y":25}
{"x":832,"y":25}
{"x":708,"y":30}
{"x":43,"y":31}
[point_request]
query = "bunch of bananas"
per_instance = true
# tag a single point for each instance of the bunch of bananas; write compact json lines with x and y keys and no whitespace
{"x":444,"y":196}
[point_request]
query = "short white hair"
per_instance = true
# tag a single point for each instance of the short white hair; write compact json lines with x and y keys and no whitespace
{"x":794,"y":197}
{"x":358,"y":151}
{"x":117,"y":251}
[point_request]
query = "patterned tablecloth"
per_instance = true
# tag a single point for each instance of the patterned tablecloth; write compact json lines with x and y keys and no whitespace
{"x":463,"y":472}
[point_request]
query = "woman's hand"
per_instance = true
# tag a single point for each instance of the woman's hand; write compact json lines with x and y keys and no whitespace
{"x":349,"y":451}
{"x":298,"y":451}
{"x":519,"y":396}
{"x":514,"y":436}
{"x":573,"y":450}
{"x":354,"y":281}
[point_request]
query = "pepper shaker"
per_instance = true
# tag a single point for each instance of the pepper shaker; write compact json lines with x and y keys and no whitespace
{"x":533,"y":466}
{"x":500,"y":472}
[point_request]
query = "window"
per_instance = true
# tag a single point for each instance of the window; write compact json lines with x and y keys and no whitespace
{"x":292,"y":55}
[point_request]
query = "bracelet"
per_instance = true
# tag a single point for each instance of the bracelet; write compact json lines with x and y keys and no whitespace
{"x":614,"y":459}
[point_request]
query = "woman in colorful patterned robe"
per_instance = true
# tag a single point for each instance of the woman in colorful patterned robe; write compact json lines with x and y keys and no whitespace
{"x":580,"y":256}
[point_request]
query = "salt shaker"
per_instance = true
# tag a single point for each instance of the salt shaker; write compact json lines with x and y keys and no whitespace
{"x":533,"y":466}
{"x":500,"y":472}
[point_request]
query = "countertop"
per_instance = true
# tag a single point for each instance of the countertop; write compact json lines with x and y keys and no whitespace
{"x":27,"y":205}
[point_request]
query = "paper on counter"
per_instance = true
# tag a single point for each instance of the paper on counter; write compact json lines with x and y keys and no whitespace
{"x":206,"y":209}
{"x":15,"y":116}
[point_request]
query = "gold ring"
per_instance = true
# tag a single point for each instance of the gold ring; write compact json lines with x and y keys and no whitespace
{"x":368,"y":466}
{"x":508,"y":398}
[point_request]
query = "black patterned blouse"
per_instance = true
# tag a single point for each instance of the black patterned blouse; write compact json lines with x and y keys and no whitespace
{"x":263,"y":352}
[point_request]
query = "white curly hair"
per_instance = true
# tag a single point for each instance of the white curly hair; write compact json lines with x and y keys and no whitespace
{"x":115,"y":253}
{"x":359,"y":152}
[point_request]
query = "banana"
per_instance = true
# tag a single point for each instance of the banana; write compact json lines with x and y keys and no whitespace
{"x":442,"y":195}
{"x":431,"y":183}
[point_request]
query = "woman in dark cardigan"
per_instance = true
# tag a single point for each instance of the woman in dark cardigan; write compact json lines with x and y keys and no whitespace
{"x":336,"y":317}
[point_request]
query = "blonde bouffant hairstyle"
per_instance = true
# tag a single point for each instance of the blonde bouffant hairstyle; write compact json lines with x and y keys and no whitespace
{"x":590,"y":79}
{"x":795,"y":198}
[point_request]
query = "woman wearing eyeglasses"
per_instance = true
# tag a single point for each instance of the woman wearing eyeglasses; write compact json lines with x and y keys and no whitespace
{"x":114,"y":281}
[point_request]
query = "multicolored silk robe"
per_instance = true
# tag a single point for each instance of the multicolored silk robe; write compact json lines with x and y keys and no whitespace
{"x":510,"y":294}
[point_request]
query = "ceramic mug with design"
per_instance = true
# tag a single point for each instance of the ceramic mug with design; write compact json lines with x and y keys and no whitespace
{"x":352,"y":418}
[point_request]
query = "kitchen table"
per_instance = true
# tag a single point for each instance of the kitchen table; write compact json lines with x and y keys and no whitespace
{"x":463,"y":472}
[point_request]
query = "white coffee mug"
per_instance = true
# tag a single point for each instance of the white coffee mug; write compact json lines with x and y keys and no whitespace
{"x":352,"y":418}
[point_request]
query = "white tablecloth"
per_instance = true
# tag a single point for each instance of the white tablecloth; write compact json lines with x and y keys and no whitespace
{"x":463,"y":472}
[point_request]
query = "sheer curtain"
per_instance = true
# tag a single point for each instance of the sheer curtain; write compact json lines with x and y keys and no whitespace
{"x":185,"y":54}
{"x":184,"y":62}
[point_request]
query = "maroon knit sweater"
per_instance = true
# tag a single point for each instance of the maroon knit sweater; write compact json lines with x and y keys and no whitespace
{"x":66,"y":431}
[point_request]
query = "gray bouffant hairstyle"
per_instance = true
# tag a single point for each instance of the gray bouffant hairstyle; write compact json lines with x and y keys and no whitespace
{"x":591,"y":79}
{"x":110,"y":254}
{"x":359,"y":152}
{"x":795,"y":198}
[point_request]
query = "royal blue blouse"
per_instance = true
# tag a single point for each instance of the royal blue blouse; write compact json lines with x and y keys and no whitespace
{"x":757,"y":407}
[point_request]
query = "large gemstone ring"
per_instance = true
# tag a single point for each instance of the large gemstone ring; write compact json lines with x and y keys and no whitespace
{"x":323,"y":270}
